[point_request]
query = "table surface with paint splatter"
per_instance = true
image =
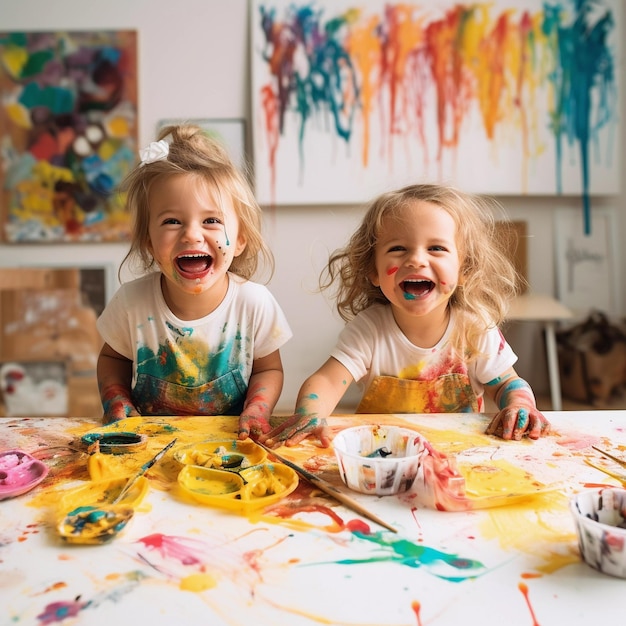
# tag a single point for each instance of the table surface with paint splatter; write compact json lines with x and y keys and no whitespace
{"x":307,"y":559}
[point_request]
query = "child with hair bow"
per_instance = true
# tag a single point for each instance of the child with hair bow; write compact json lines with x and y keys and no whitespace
{"x":193,"y":335}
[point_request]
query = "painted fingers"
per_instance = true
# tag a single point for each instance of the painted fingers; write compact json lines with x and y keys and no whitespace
{"x":251,"y":426}
{"x":295,"y":429}
{"x":515,"y":422}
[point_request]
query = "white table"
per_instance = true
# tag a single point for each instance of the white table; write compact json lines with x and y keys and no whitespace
{"x":537,"y":307}
{"x":311,"y":561}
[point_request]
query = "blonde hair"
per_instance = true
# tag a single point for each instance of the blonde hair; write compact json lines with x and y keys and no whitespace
{"x":487,"y":276}
{"x":193,"y":151}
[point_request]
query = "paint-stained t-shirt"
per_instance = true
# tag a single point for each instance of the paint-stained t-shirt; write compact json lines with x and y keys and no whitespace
{"x":192,"y":367}
{"x":384,"y":362}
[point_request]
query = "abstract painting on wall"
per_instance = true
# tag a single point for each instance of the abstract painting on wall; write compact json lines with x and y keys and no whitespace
{"x":504,"y":97}
{"x":68,"y":133}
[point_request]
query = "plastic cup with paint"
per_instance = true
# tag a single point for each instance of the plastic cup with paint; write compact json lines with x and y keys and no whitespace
{"x":380,"y":460}
{"x":600,"y":518}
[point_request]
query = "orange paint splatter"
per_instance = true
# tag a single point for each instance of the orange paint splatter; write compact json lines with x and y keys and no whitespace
{"x":523,"y":587}
{"x":416,"y":606}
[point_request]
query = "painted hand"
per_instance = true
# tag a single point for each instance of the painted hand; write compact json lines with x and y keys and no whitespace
{"x":252,"y":426}
{"x":117,"y":405}
{"x":513,"y":422}
{"x":296,"y":428}
{"x":118,"y":411}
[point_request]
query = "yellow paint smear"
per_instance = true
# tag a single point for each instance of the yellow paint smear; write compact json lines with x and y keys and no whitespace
{"x":496,"y":478}
{"x":537,"y":527}
{"x":198,"y":582}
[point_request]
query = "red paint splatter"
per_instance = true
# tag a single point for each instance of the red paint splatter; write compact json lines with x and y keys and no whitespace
{"x":392,"y":270}
{"x":286,"y":512}
{"x":597,"y":485}
{"x":358,"y":526}
{"x":523,"y":587}
{"x":170,"y":547}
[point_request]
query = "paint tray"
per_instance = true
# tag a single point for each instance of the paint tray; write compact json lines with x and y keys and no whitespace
{"x":116,"y":442}
{"x":86,"y":515}
{"x":19,"y":473}
{"x":94,"y":525}
{"x":229,"y":454}
{"x":250,"y":489}
{"x":102,"y":492}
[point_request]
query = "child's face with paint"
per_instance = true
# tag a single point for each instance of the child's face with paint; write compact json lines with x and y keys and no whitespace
{"x":191,"y":238}
{"x":417,"y":259}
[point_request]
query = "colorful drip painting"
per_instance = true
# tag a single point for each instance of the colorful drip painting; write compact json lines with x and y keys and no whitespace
{"x":502,"y":97}
{"x":68,"y":126}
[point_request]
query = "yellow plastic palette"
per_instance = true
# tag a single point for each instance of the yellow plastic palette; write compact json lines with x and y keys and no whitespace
{"x":87,"y":515}
{"x":94,"y":524}
{"x":250,"y":489}
{"x":232,"y":454}
{"x":102,"y":492}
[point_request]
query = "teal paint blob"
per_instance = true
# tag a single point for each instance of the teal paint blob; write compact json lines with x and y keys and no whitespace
{"x":450,"y":567}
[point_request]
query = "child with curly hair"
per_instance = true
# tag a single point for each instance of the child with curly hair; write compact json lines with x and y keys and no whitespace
{"x":194,"y":335}
{"x":423,"y":285}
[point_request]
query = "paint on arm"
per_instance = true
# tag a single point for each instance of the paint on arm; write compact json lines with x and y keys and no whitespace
{"x":515,"y":392}
{"x":116,"y":402}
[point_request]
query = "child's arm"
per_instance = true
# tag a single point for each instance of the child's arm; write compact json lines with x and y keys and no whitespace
{"x":264,"y":387}
{"x":114,"y":373}
{"x":317,"y":399}
{"x":518,"y":414}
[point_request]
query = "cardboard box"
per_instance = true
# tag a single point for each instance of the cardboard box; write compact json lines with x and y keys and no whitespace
{"x":43,"y":318}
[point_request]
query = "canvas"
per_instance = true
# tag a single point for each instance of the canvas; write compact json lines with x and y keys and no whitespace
{"x":507,"y":97}
{"x":68,"y":123}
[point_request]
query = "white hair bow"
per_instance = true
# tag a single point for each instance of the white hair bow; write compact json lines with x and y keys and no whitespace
{"x":156,"y":151}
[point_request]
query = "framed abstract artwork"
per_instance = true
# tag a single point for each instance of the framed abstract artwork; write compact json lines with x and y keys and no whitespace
{"x":68,"y":127}
{"x":587,"y":265}
{"x":506,"y":97}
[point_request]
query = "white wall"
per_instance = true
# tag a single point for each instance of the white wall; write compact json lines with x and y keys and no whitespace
{"x":193,"y":62}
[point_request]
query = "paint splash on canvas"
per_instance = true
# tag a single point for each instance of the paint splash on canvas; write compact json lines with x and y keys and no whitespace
{"x":417,"y":87}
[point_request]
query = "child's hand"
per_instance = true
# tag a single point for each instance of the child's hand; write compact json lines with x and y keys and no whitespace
{"x":296,"y":428}
{"x":117,"y":404}
{"x":119,"y":411}
{"x":513,"y":422}
{"x":252,"y":426}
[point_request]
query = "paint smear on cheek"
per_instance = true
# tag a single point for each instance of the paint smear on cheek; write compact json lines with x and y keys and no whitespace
{"x":391,"y":271}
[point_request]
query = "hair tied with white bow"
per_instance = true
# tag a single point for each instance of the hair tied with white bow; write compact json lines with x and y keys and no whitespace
{"x":156,"y":151}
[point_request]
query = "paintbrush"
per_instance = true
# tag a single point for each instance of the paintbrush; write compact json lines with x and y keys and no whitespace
{"x":142,"y":470}
{"x":331,"y":490}
{"x":610,"y":456}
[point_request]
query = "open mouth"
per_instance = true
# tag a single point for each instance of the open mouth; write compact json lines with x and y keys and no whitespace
{"x":417,"y":288}
{"x":194,"y":263}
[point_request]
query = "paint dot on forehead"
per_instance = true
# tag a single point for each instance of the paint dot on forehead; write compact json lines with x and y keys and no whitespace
{"x":392,"y":270}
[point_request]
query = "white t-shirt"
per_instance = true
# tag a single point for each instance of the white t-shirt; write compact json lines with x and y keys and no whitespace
{"x":372,"y":345}
{"x":192,"y":367}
